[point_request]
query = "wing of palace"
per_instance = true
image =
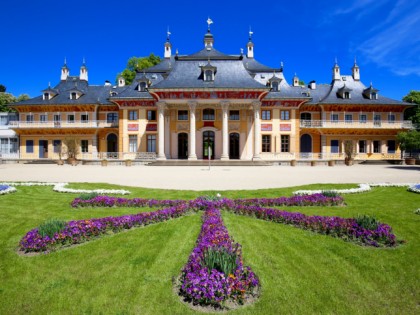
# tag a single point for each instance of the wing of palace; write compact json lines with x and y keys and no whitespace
{"x":210,"y":105}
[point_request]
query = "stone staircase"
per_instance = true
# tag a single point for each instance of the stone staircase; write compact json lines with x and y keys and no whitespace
{"x":212,"y":163}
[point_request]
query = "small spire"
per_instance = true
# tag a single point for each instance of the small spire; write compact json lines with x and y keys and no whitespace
{"x":49,"y":84}
{"x":65,"y":61}
{"x":250,"y":33}
{"x":336,"y":62}
{"x":168,"y":34}
{"x":176,"y":52}
{"x":209,"y":21}
{"x":242,"y":51}
{"x":84,"y":61}
{"x":355,"y":61}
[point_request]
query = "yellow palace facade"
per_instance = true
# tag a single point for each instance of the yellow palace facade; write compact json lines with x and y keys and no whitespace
{"x":210,"y":105}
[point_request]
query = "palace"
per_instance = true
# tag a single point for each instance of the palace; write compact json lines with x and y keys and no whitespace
{"x":211,"y":105}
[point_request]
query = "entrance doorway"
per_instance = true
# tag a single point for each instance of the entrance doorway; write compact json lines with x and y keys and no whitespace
{"x":234,"y":146}
{"x":43,"y":149}
{"x":305,"y":146}
{"x":182,"y":146}
{"x":112,"y":145}
{"x":208,"y":145}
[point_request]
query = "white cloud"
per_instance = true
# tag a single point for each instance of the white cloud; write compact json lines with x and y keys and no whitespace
{"x":395,"y":43}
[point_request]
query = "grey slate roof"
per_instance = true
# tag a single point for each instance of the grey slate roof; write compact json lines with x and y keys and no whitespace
{"x":229,"y":74}
{"x":92,"y":94}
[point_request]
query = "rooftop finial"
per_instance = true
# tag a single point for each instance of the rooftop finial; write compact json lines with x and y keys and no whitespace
{"x":65,"y":61}
{"x":250,"y":33}
{"x":84,"y":61}
{"x":281,"y":64}
{"x":336,"y":62}
{"x":355,"y":61}
{"x":209,"y":21}
{"x":168,"y":34}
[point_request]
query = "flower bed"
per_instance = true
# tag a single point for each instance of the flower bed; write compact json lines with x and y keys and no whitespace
{"x":106,"y":201}
{"x":316,"y":199}
{"x":80,"y":231}
{"x":415,"y":188}
{"x":360,"y":189}
{"x":6,"y":189}
{"x":204,"y":286}
{"x":345,"y":228}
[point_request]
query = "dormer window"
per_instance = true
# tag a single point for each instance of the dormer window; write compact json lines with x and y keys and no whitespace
{"x":275,"y":86}
{"x":373,"y":96}
{"x":73,"y":96}
{"x":371,"y":93}
{"x":113,"y":93}
{"x":142,"y":86}
{"x":274,"y":83}
{"x":46,"y":96}
{"x":208,"y":72}
{"x":344,"y":92}
{"x":49,"y":93}
{"x":346,"y":95}
{"x":208,"y":75}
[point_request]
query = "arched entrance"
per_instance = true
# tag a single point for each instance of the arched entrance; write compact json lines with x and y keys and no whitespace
{"x":208,"y":143}
{"x":183,"y":146}
{"x":305,"y":145}
{"x":112,"y":145}
{"x":234,"y":146}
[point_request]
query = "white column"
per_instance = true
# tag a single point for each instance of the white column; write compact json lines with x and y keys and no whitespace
{"x":191,"y":143}
{"x":161,"y":130}
{"x":225,"y":133}
{"x":257,"y":130}
{"x":167,"y":134}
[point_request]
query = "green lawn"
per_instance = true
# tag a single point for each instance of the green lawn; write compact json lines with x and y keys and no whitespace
{"x":131,"y":272}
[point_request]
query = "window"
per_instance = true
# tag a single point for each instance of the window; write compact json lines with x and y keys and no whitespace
{"x":275,"y":86}
{"x":142,"y":86}
{"x":3,"y":120}
{"x":285,"y":141}
{"x":29,"y":146}
{"x":57,"y":146}
{"x":73,"y":96}
{"x":132,"y":143}
{"x":46,"y":96}
{"x":266,"y":143}
{"x":362,"y":118}
{"x":391,"y":118}
{"x":346,"y":95}
{"x":57,"y":117}
{"x":208,"y":114}
{"x":376,"y":146}
{"x":29,"y":118}
{"x":362,"y":146}
{"x":284,"y":115}
{"x":111,"y":117}
{"x":266,"y":115}
{"x":70,"y":118}
{"x":377,"y":120}
{"x":208,"y":75}
{"x":391,"y":146}
{"x":334,"y":118}
{"x":151,"y":115}
{"x":43,"y":118}
{"x":13,"y":145}
{"x":182,"y":115}
{"x":335,"y":146}
{"x":4,"y":145}
{"x":84,"y":118}
{"x":132,"y":115}
{"x":374,"y":96}
{"x":348,"y":118}
{"x":234,"y":115}
{"x":151,"y":143}
{"x":84,"y":145}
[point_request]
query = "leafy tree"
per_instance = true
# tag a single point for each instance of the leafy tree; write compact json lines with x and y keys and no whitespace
{"x":413,"y":113}
{"x":409,"y":140}
{"x":7,"y":98}
{"x":136,"y":64}
{"x":2,"y":88}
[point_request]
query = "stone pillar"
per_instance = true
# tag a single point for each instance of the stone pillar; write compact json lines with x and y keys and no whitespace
{"x":225,"y":132}
{"x":167,"y":134}
{"x":257,"y":130}
{"x":161,"y":131}
{"x":191,"y":143}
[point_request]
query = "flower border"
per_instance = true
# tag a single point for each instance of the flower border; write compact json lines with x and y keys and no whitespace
{"x":61,"y":188}
{"x":414,"y":189}
{"x":362,"y":188}
{"x":8,"y":190}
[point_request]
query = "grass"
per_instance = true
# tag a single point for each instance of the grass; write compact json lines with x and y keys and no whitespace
{"x":131,"y":272}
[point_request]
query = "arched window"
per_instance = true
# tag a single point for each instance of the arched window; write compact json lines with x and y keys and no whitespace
{"x":275,"y":86}
{"x":73,"y":96}
{"x":208,"y":114}
{"x":208,"y":75}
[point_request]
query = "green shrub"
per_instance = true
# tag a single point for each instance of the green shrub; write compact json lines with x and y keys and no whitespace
{"x":88,"y":196}
{"x":367,"y":222}
{"x":51,"y":227}
{"x":220,"y":259}
{"x":330,"y":193}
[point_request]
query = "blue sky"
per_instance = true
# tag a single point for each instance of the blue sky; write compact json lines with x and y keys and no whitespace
{"x":307,"y":36}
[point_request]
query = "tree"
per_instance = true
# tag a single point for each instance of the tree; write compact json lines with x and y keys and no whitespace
{"x":413,"y":113}
{"x":2,"y":88}
{"x":409,"y":141}
{"x":136,"y":64}
{"x":7,"y":98}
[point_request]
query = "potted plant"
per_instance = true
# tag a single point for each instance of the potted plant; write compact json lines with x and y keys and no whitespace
{"x":409,"y":141}
{"x":313,"y":163}
{"x":293,"y":163}
{"x":128,"y":162}
{"x":72,"y":150}
{"x":331,"y":163}
{"x":349,"y":152}
{"x":104,"y":162}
